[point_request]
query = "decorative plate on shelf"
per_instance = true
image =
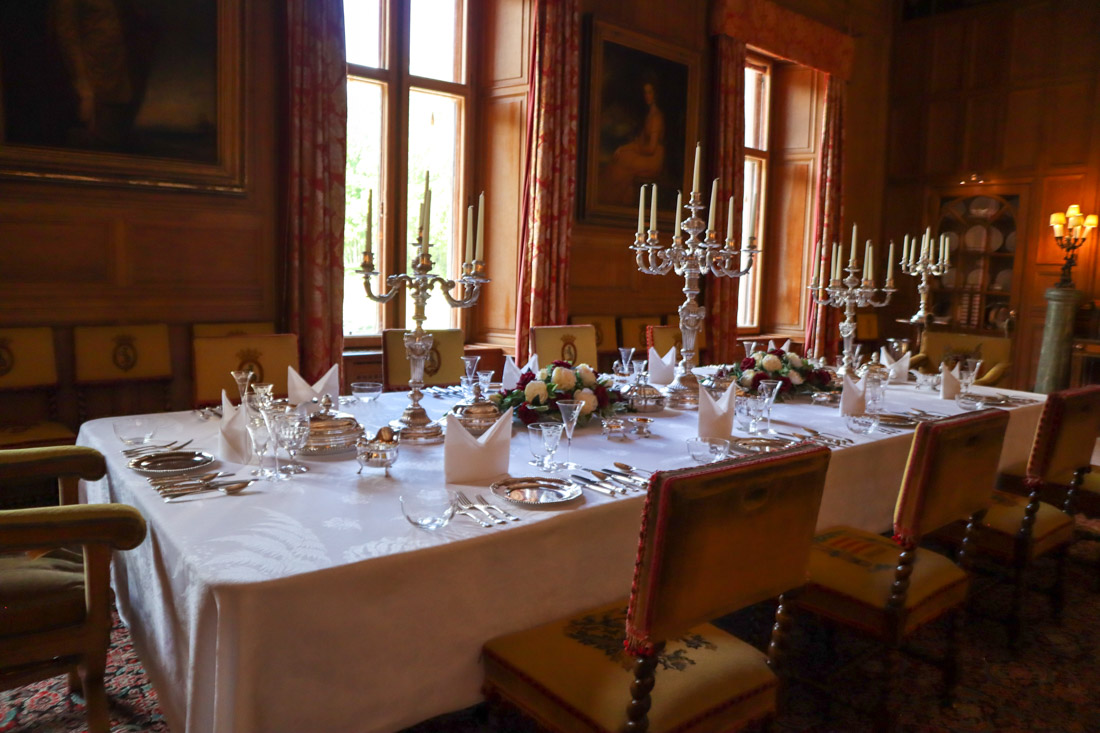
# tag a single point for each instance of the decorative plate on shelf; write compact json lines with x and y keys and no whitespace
{"x":974,"y":277}
{"x":975,"y":238}
{"x":952,"y":239}
{"x":536,"y":490}
{"x":984,"y":207}
{"x":171,"y":462}
{"x":1010,"y":242}
{"x":1003,"y":281}
{"x":996,"y":239}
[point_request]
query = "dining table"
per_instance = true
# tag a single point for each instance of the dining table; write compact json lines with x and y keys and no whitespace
{"x":313,"y":604}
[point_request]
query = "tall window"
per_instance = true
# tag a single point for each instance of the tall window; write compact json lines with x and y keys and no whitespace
{"x":757,"y":104}
{"x":408,"y":92}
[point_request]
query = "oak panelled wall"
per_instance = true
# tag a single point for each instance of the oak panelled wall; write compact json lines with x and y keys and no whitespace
{"x":993,"y":94}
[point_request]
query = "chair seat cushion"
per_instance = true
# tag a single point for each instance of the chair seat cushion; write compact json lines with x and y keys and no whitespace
{"x":997,"y":535}
{"x":40,"y":594}
{"x":851,"y":574}
{"x":35,"y":434}
{"x":573,"y":674}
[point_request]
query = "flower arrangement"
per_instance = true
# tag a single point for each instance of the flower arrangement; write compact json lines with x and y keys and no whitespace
{"x":793,"y":373}
{"x":536,"y":395}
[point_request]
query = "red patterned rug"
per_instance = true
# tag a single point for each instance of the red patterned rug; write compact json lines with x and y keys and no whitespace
{"x":1052,"y":685}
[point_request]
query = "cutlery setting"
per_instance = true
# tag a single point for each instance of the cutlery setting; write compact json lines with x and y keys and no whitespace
{"x":488,"y":513}
{"x":147,"y":449}
{"x":215,"y":481}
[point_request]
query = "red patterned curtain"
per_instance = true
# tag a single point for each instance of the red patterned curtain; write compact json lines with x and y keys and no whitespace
{"x":550,"y":176}
{"x":821,"y":321}
{"x":313,"y":281}
{"x":729,"y":152}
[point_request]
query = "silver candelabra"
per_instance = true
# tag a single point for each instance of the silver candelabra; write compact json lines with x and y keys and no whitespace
{"x":414,"y":424}
{"x":924,"y":264}
{"x":850,"y":293}
{"x":691,"y":259}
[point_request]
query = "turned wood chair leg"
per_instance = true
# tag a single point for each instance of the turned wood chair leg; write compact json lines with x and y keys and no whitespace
{"x":76,"y":687}
{"x":95,"y":696}
{"x":637,"y":712}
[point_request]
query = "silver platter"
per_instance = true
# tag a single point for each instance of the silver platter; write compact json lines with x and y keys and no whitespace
{"x":327,"y":450}
{"x":762,"y":445}
{"x":169,"y":463}
{"x":536,"y":490}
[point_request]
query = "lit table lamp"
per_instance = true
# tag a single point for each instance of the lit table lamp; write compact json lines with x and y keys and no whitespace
{"x":1071,"y":230}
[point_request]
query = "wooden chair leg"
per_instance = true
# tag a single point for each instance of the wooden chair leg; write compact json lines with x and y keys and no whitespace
{"x":637,"y":712}
{"x":76,"y":687}
{"x":95,"y":696}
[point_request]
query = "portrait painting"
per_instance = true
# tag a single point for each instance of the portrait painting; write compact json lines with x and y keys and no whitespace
{"x":640,"y":123}
{"x":137,"y":91}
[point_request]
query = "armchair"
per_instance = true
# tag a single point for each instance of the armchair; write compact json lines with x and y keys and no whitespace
{"x":55,"y":612}
{"x":942,"y":346}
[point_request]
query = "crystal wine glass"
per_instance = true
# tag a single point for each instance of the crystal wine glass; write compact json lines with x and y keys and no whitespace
{"x":769,"y":389}
{"x":471,"y":367}
{"x":292,"y":429}
{"x":551,"y":439}
{"x":484,"y":379}
{"x":570,"y":411}
{"x":538,"y":448}
{"x":754,"y":406}
{"x":265,"y":403}
{"x":968,"y":372}
{"x":242,"y":378}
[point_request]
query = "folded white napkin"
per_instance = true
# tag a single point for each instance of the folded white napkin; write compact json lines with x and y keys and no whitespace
{"x":716,"y":416}
{"x":662,"y":369}
{"x":301,"y":393}
{"x":511,"y":374}
{"x":899,"y":368}
{"x":234,"y":444}
{"x":949,"y":382}
{"x":786,"y":345}
{"x":771,"y":344}
{"x":467,"y":459}
{"x":853,"y":398}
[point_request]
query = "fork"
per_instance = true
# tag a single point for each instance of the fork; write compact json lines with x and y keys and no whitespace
{"x":465,"y":503}
{"x":503,"y":512}
{"x":149,"y":449}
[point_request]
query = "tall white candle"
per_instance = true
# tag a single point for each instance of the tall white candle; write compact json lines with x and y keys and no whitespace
{"x":427,"y":223}
{"x":469,"y":250}
{"x":729,"y":222}
{"x":928,"y":241}
{"x":852,"y":263}
{"x":890,"y":265}
{"x":904,"y":250}
{"x":870,"y":255}
{"x":676,"y":215}
{"x":695,"y":174}
{"x":641,"y":209}
{"x":370,"y":221}
{"x":653,"y":209}
{"x":713,"y":204}
{"x":480,"y":253}
{"x":947,"y":256}
{"x":836,"y":261}
{"x":819,"y":280}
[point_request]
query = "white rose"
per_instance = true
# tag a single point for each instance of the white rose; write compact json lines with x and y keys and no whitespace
{"x":746,"y":377}
{"x":535,"y":391}
{"x":564,"y":379}
{"x":771,"y":363}
{"x":758,"y":355}
{"x":795,"y":377}
{"x":794,"y":360}
{"x":543,"y":374}
{"x":588,"y":397}
{"x":587,"y":376}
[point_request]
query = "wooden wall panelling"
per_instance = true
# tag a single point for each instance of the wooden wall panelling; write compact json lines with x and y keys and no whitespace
{"x":943,"y":140}
{"x":1067,"y":114}
{"x":988,"y":50}
{"x":905,"y":150}
{"x":1031,"y":41}
{"x":909,"y":72}
{"x":949,"y":45}
{"x":1023,"y":128}
{"x":983,"y":132}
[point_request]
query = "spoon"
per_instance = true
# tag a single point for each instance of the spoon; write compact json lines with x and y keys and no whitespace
{"x":229,"y":488}
{"x":167,"y":482}
{"x":628,"y":467}
{"x":608,"y":478}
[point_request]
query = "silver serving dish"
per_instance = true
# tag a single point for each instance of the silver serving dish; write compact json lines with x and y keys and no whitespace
{"x":536,"y":490}
{"x":718,"y":382}
{"x":873,"y":366}
{"x":476,"y":414}
{"x":378,"y":452}
{"x":331,"y":431}
{"x":644,"y":397}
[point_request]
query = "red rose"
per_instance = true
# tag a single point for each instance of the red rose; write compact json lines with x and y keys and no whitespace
{"x":785,"y":385}
{"x":777,"y":352}
{"x":757,"y":379}
{"x":562,"y":363}
{"x":526,"y":414}
{"x":524,"y":379}
{"x":748,"y":363}
{"x":603,"y":399}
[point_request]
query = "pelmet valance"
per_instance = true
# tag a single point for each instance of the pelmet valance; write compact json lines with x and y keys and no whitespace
{"x":785,"y":33}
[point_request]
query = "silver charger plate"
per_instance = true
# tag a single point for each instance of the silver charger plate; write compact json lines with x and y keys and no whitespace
{"x":762,"y":445}
{"x":535,"y":490}
{"x":170,"y":463}
{"x":894,"y":420}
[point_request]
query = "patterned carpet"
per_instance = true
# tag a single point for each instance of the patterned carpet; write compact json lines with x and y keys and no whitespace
{"x":1052,"y":685}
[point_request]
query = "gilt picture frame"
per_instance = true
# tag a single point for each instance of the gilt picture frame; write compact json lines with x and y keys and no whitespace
{"x":141,"y":94}
{"x":639,"y":122}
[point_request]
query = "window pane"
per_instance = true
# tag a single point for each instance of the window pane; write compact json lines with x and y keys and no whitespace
{"x":363,"y":32}
{"x":434,"y":126}
{"x":748,"y":307}
{"x":435,"y":48}
{"x":756,"y":107}
{"x":366,"y":103}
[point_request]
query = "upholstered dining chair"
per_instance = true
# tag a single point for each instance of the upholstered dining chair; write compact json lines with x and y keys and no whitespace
{"x":943,"y":346}
{"x":663,"y":338}
{"x":442,"y":367}
{"x":1017,"y":529}
{"x":634,"y":330}
{"x":28,"y":368}
{"x":575,"y":344}
{"x":266,"y":355}
{"x":699,"y":557}
{"x":131,"y":355}
{"x":888,"y":588}
{"x":55,"y":608}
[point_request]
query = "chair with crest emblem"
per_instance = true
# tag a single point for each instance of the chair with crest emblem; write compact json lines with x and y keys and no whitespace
{"x":266,"y":355}
{"x":888,"y":588}
{"x":663,"y":338}
{"x":699,"y":558}
{"x":443,"y":366}
{"x":28,"y":383}
{"x":115,"y":364}
{"x":575,"y":344}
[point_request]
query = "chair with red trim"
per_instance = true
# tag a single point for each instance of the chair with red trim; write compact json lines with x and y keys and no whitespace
{"x":1017,"y":530}
{"x":887,"y":589}
{"x":699,"y":557}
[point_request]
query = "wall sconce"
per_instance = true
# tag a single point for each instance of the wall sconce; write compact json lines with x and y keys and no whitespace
{"x":1071,"y":229}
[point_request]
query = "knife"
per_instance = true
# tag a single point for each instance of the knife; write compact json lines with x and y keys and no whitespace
{"x":625,"y":479}
{"x":593,"y":486}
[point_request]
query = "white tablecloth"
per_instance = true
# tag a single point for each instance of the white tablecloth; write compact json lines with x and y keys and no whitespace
{"x":314,"y":605}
